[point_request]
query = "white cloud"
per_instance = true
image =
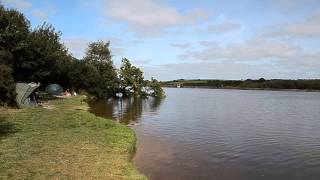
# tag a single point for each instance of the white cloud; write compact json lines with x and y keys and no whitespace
{"x":292,"y":4}
{"x":150,"y":17}
{"x":181,"y":45}
{"x":135,"y":42}
{"x":251,"y":50}
{"x":305,"y":61}
{"x":308,"y":28}
{"x":224,"y":26}
{"x":20,"y":4}
{"x":117,"y":51}
{"x":209,"y":43}
{"x":40,"y":15}
{"x":257,"y":57}
{"x":141,"y":62}
{"x":228,"y":70}
{"x":77,"y":46}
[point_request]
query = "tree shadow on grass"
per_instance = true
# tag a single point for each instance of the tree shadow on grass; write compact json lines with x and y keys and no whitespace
{"x":6,"y":127}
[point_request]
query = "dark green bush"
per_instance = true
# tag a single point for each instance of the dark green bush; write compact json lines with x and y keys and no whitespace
{"x":7,"y":86}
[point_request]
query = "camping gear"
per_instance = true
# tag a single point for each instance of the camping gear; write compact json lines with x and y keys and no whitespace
{"x":25,"y":96}
{"x":54,"y":89}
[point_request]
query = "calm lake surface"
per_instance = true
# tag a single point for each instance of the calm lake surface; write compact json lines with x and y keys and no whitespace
{"x":223,"y":134}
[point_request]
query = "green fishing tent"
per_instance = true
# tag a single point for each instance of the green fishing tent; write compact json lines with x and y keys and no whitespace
{"x":54,"y":89}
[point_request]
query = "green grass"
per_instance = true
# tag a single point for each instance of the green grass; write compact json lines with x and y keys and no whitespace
{"x":65,"y":142}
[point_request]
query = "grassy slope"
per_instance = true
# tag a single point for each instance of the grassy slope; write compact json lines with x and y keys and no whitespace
{"x":64,"y":143}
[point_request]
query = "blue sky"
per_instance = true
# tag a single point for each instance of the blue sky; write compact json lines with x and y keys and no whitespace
{"x":209,"y":39}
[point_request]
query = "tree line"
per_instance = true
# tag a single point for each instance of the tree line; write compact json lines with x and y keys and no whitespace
{"x":38,"y":55}
{"x":303,"y":84}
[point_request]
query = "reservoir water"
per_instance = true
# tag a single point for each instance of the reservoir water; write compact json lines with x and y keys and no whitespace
{"x":223,"y":134}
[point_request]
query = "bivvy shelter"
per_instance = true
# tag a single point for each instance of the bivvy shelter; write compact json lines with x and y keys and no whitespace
{"x":54,"y":89}
{"x":25,"y":94}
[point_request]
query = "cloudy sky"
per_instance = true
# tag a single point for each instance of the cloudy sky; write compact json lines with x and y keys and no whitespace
{"x":191,"y":39}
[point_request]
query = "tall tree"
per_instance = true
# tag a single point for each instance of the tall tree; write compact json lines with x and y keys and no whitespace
{"x":98,"y":52}
{"x":47,"y":57}
{"x":86,"y":77}
{"x":99,"y":55}
{"x":131,"y":78}
{"x":14,"y":30}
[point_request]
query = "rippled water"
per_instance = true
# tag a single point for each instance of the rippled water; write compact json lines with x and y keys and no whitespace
{"x":224,"y":134}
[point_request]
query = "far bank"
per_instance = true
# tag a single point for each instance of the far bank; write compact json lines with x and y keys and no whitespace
{"x":249,"y":84}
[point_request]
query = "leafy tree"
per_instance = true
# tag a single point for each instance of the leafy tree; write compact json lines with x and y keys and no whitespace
{"x":85,"y":76}
{"x":156,"y":87}
{"x":47,"y":57}
{"x":131,"y":77}
{"x":98,"y":52}
{"x":261,"y":80}
{"x":14,"y":29}
{"x":99,"y":56}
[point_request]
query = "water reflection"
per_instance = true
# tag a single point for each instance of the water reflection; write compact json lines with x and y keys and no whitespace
{"x":223,"y":134}
{"x":125,"y":110}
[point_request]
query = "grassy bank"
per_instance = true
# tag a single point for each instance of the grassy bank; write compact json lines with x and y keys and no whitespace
{"x":64,"y":142}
